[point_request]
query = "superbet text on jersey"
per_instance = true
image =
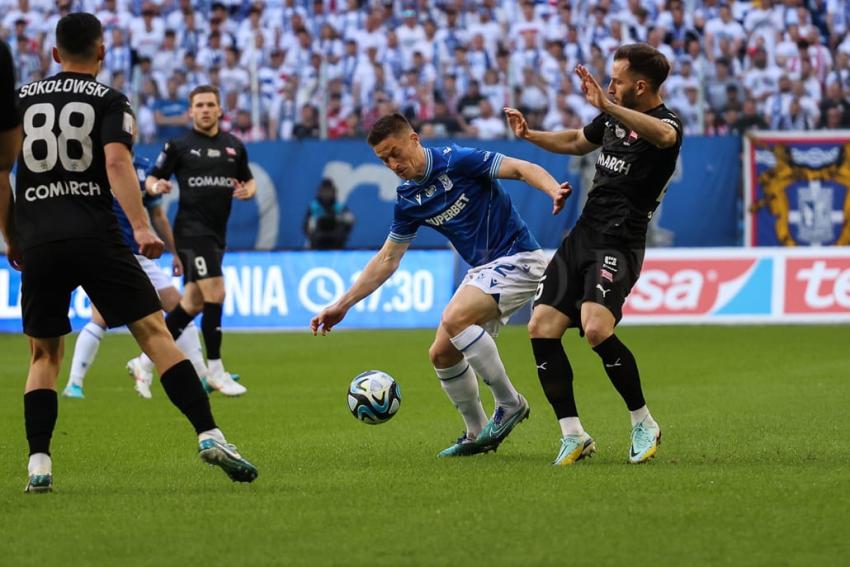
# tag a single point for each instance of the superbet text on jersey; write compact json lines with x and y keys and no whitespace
{"x":62,"y":190}
{"x":205,"y":167}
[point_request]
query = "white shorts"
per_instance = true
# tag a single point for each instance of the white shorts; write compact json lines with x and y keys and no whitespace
{"x":512,"y":280}
{"x":156,"y":275}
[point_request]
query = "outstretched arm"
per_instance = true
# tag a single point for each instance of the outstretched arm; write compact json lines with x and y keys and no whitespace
{"x":537,"y":177}
{"x":658,"y":133}
{"x":570,"y":142}
{"x":377,"y":271}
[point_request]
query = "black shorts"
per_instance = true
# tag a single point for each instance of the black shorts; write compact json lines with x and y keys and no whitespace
{"x":589,"y":267}
{"x":107,"y":271}
{"x":201,"y":258}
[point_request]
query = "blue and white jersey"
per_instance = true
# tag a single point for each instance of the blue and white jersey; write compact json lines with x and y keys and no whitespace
{"x":460,"y":197}
{"x":143,"y":166}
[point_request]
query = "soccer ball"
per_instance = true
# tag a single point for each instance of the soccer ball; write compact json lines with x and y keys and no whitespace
{"x":373,"y":397}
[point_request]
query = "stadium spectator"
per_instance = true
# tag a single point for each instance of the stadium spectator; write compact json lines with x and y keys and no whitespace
{"x":487,"y":125}
{"x":171,"y":113}
{"x":835,"y":99}
{"x":308,"y":125}
{"x":469,"y":105}
{"x":750,"y":118}
{"x":328,"y":222}
{"x":442,"y":124}
{"x":370,"y":46}
{"x":245,"y":129}
{"x":795,"y":118}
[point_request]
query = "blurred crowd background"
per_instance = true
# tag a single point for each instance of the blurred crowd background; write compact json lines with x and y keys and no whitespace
{"x":295,"y":69}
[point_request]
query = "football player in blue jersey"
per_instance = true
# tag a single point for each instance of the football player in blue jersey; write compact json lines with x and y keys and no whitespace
{"x":88,"y":341}
{"x":455,"y":191}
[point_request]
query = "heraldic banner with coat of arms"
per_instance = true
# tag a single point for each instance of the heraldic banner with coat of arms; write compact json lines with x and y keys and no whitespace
{"x":797,"y":188}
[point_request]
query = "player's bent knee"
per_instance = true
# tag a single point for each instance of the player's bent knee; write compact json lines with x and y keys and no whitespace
{"x":442,"y":356}
{"x":596,"y":332}
{"x":541,"y":327}
{"x":455,"y":322}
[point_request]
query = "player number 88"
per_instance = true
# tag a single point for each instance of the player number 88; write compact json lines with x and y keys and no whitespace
{"x":58,"y":148}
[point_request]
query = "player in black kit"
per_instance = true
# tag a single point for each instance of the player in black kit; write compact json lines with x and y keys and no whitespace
{"x":212,"y":169}
{"x":10,"y":144}
{"x":588,"y":279}
{"x":78,"y":134}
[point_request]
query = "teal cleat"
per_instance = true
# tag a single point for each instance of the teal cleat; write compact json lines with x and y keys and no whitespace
{"x":500,"y":426}
{"x":465,"y":446}
{"x":225,"y":456}
{"x":73,"y":391}
{"x":645,"y":442}
{"x":39,"y":483}
{"x":574,"y":448}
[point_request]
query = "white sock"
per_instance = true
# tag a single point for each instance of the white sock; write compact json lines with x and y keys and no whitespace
{"x":212,"y":434}
{"x":215,"y":366}
{"x":480,"y":350}
{"x":40,"y":463}
{"x":570,"y":426}
{"x":189,"y":342}
{"x":84,"y":352}
{"x":461,"y":386}
{"x":642,"y":414}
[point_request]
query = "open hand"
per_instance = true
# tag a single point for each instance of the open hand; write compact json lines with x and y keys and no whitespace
{"x":517,"y":122}
{"x":593,"y":91}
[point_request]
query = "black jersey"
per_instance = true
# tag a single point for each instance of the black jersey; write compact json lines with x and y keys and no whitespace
{"x":631,"y":176}
{"x":205,"y":168}
{"x":62,"y":191}
{"x":9,"y":117}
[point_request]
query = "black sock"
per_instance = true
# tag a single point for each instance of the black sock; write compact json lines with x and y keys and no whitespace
{"x":622,"y":370}
{"x":211,"y":327}
{"x":40,"y":411}
{"x":177,"y":320}
{"x":183,"y":387}
{"x":556,"y":376}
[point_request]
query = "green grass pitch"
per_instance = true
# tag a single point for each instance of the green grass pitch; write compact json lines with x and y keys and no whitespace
{"x":754,"y":469}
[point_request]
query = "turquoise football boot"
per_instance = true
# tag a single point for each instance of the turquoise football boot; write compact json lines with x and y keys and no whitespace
{"x":73,"y":391}
{"x":225,"y":456}
{"x":465,"y":446}
{"x":574,"y":448}
{"x":500,"y":425}
{"x":645,"y":442}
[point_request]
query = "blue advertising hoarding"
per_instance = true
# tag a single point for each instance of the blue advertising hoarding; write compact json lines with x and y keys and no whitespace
{"x":284,"y":290}
{"x":700,"y":208}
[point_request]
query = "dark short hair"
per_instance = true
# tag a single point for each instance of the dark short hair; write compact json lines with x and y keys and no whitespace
{"x":78,"y":34}
{"x":201,"y":89}
{"x":387,"y":126}
{"x":646,"y":61}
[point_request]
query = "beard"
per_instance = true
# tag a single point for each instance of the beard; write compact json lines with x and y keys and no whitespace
{"x":628,"y":99}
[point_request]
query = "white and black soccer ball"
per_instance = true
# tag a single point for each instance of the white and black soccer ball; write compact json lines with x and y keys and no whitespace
{"x":374,"y":397}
